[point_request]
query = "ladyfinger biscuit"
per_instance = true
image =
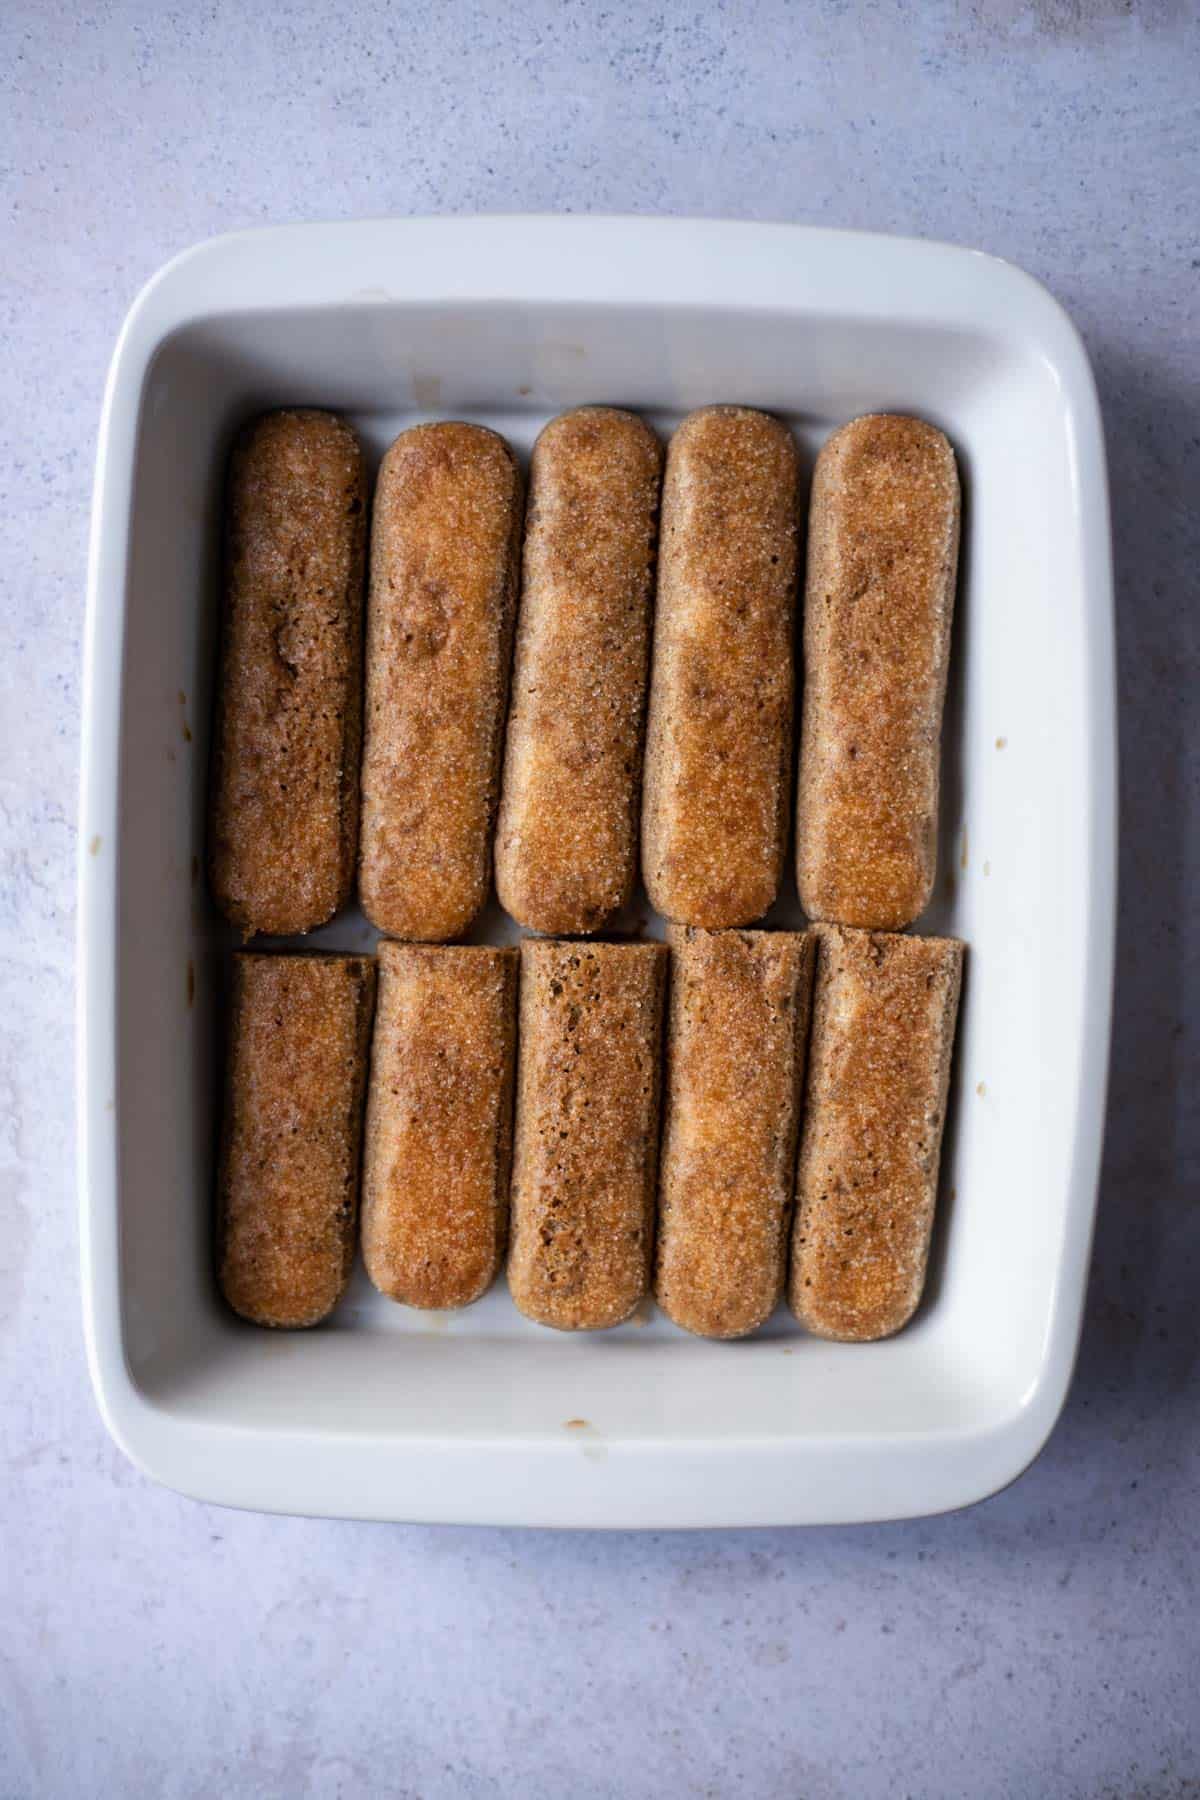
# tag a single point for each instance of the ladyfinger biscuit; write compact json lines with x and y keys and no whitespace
{"x":882,"y":558}
{"x":566,"y":840}
{"x":737,"y":1028}
{"x":718,"y":739}
{"x":586,"y":1136}
{"x":288,"y":1186}
{"x":439,"y":1122}
{"x":444,"y":539}
{"x":884,"y":1010}
{"x":283,"y":823}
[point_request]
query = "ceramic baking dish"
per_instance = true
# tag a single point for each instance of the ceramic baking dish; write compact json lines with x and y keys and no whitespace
{"x":480,"y":1416}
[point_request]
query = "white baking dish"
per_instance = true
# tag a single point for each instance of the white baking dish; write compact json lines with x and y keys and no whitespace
{"x":480,"y":1416}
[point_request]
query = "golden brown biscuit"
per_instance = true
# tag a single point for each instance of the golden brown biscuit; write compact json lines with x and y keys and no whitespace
{"x":737,"y":1028}
{"x":566,"y":840}
{"x":444,"y":537}
{"x":719,"y":732}
{"x":586,"y":1137}
{"x":283,"y":822}
{"x":882,"y":560}
{"x":884,"y":1011}
{"x":439,"y":1122}
{"x":288,"y":1187}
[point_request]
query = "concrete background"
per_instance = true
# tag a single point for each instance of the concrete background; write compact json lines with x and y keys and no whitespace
{"x":1045,"y":1643}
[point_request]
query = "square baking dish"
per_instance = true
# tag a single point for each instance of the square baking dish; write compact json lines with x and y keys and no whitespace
{"x":480,"y":1416}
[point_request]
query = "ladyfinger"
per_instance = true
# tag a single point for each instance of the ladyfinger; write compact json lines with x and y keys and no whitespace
{"x":737,"y":1028}
{"x":884,"y":1011}
{"x":283,"y":822}
{"x":439,"y":1122}
{"x":882,"y":559}
{"x":586,"y":1135}
{"x":566,"y":840}
{"x":444,"y":539}
{"x":719,"y":732}
{"x":288,"y":1185}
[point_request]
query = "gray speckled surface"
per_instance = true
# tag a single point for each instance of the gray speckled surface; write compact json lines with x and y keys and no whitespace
{"x":1044,"y":1643}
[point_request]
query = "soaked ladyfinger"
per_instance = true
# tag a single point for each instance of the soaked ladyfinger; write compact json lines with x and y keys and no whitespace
{"x":288,"y":1186}
{"x":566,"y":839}
{"x":882,"y":561}
{"x":884,"y":1011}
{"x":719,"y":730}
{"x":444,"y":538}
{"x":283,"y":825}
{"x":737,"y":1028}
{"x":586,"y":1137}
{"x":439,"y":1122}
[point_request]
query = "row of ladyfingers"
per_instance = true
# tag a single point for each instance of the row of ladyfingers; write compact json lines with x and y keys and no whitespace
{"x":597,"y":1216}
{"x":702,"y":675}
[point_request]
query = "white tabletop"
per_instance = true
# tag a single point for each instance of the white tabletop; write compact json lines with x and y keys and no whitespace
{"x":1043,"y":1643}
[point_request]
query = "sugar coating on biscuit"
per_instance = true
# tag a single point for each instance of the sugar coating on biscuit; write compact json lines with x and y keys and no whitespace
{"x":566,"y":838}
{"x":284,"y":812}
{"x":586,"y":1137}
{"x":288,"y":1184}
{"x":883,"y":1017}
{"x":719,"y":731}
{"x":879,"y":602}
{"x":737,"y":1028}
{"x":444,"y":538}
{"x":439,"y":1122}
